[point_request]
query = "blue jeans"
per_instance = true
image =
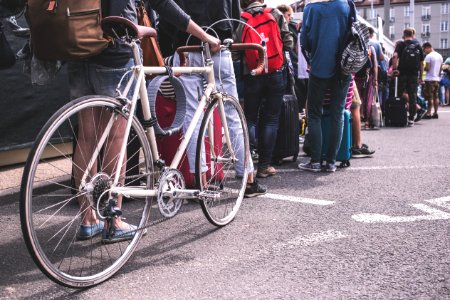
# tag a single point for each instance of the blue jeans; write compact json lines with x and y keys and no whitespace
{"x":226,"y":82}
{"x":270,"y":87}
{"x":316,"y":92}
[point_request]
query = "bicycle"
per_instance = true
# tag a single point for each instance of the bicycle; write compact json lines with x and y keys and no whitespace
{"x":50,"y":209}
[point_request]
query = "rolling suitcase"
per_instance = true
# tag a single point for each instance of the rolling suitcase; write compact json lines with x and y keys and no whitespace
{"x":287,"y":143}
{"x":168,"y":145}
{"x":344,"y":152}
{"x":395,"y":114}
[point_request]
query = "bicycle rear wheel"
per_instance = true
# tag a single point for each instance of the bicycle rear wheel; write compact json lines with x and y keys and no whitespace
{"x":52,"y":203}
{"x":221,"y":178}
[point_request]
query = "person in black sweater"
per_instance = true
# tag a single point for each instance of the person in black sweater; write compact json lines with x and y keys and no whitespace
{"x":99,"y":75}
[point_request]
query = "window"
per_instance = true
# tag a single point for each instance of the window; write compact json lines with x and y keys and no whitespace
{"x":444,"y":44}
{"x":425,"y":28}
{"x":444,"y":8}
{"x":391,"y":30}
{"x":391,"y":12}
{"x":406,"y":11}
{"x":426,"y":10}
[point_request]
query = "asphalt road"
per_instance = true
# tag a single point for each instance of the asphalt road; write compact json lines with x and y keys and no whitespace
{"x":377,"y":230}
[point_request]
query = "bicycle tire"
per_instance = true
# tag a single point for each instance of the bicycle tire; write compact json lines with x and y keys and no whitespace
{"x":222,"y":177}
{"x":49,"y":212}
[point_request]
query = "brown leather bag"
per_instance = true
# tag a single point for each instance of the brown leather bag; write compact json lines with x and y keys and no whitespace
{"x":150,"y":48}
{"x":65,"y":30}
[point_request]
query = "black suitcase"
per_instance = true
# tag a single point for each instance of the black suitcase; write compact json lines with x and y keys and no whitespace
{"x":287,"y":144}
{"x":395,"y":114}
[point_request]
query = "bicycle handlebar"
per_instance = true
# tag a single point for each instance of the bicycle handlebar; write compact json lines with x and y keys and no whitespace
{"x":239,"y":46}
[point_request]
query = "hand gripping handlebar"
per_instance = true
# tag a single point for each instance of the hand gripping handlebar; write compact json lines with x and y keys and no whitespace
{"x":239,"y":47}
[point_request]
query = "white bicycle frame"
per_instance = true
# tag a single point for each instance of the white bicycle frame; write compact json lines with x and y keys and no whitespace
{"x":140,"y":89}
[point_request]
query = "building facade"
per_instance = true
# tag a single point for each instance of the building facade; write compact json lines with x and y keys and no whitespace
{"x":430,"y":18}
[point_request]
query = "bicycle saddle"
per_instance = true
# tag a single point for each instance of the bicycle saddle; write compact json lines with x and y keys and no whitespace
{"x":121,"y":27}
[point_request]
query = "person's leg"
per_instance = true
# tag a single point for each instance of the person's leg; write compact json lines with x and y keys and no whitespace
{"x":411,"y":88}
{"x":339,"y":90}
{"x":427,"y":93}
{"x":316,"y":92}
{"x":252,"y":99}
{"x":79,"y":86}
{"x":226,"y":80}
{"x":435,"y":94}
{"x":356,"y":126}
{"x":104,"y":82}
{"x":447,"y":96}
{"x":193,"y":83}
{"x":274,"y":88}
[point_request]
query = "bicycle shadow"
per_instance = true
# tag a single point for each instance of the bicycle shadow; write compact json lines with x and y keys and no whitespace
{"x":20,"y":277}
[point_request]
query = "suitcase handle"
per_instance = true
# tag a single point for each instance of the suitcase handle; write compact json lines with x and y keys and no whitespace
{"x":396,"y":87}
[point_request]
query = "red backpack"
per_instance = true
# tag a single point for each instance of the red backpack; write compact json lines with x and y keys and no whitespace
{"x":266,"y":25}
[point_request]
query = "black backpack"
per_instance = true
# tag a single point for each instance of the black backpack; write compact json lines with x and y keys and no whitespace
{"x":410,"y":58}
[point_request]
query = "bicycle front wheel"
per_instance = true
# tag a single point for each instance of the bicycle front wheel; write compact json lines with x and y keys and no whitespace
{"x":53,"y":202}
{"x":222,"y":169}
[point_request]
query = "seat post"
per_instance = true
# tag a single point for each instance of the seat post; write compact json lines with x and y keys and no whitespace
{"x":136,"y":53}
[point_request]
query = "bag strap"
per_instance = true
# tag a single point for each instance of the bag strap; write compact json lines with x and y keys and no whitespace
{"x":180,"y":95}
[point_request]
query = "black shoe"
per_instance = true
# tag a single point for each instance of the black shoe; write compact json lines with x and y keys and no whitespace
{"x":364,"y":151}
{"x":24,"y":53}
{"x":435,"y":116}
{"x":420,"y":114}
{"x":16,"y":28}
{"x":427,"y":117}
{"x":254,"y":190}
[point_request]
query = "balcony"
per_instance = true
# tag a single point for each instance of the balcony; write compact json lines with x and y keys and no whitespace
{"x":391,"y":20}
{"x":426,"y":17}
{"x":425,"y":34}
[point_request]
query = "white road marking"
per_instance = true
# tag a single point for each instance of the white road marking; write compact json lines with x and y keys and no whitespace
{"x":441,"y":202}
{"x":432,"y":214}
{"x":311,"y":239}
{"x":297,"y":199}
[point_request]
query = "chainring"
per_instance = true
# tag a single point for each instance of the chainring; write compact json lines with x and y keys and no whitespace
{"x":170,"y":180}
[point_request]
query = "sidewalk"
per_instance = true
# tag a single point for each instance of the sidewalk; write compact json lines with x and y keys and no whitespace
{"x":10,"y":178}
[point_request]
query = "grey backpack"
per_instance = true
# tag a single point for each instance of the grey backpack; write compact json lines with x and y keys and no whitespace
{"x":355,"y":51}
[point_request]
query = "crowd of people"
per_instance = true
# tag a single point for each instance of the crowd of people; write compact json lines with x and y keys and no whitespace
{"x":307,"y":43}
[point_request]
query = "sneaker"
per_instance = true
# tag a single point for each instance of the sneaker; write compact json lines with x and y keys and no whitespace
{"x":254,"y":190}
{"x":330,"y":167}
{"x":311,"y":167}
{"x":410,"y":123}
{"x":435,"y":116}
{"x":24,"y":53}
{"x":16,"y":28}
{"x":420,"y":114}
{"x":364,"y":151}
{"x":119,"y":235}
{"x":87,"y":232}
{"x":266,"y":172}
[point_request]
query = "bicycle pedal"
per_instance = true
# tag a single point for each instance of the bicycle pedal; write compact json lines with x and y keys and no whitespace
{"x":209,"y":195}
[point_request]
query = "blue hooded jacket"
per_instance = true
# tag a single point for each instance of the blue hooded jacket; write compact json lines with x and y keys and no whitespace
{"x":322,"y":35}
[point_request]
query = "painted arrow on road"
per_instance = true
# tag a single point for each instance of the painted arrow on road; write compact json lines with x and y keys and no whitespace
{"x":432,"y":214}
